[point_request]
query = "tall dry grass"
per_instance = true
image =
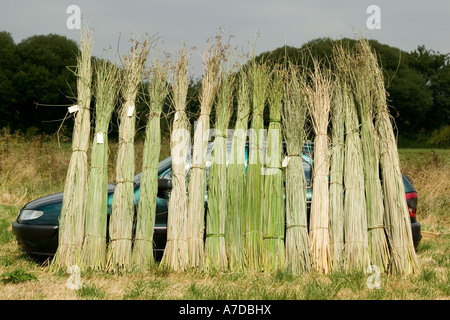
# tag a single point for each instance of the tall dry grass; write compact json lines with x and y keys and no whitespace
{"x":30,"y":167}
{"x":429,"y":170}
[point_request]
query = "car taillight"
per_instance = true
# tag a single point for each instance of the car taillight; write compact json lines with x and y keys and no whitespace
{"x":411,"y":200}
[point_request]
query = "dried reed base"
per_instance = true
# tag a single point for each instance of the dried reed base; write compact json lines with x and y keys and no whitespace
{"x":94,"y":252}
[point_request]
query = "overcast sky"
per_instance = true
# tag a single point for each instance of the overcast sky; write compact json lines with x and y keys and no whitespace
{"x":405,"y":24}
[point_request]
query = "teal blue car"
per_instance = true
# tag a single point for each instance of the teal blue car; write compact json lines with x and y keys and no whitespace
{"x":36,"y":226}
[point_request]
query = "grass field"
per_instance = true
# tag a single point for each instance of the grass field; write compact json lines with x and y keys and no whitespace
{"x":34,"y":167}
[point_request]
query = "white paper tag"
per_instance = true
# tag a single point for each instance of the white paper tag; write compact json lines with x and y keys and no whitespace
{"x":74,"y":108}
{"x":99,"y":137}
{"x":130,"y":111}
{"x":285,"y":162}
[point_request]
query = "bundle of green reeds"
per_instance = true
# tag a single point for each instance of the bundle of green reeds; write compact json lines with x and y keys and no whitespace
{"x":72,"y":219}
{"x":396,"y":217}
{"x":197,"y":183}
{"x":298,"y":256}
{"x":319,"y":93}
{"x":255,"y":180}
{"x":337,"y":177}
{"x":158,"y":89}
{"x":176,"y":251}
{"x":362,"y":79}
{"x":236,"y":180}
{"x":356,"y":249}
{"x":273,"y":197}
{"x":215,"y":250}
{"x":94,"y":245}
{"x":122,"y":211}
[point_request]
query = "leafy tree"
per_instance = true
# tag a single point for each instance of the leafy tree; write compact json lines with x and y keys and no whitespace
{"x":33,"y":72}
{"x":8,"y":63}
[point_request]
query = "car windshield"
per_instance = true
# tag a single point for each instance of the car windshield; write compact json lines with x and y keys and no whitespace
{"x":164,"y":167}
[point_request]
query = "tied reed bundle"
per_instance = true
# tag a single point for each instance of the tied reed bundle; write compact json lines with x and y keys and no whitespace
{"x":176,"y":253}
{"x":337,"y":177}
{"x":122,"y":211}
{"x":236,"y":181}
{"x":143,"y":245}
{"x":356,"y":251}
{"x":197,"y":184}
{"x":72,"y":219}
{"x":298,"y":256}
{"x":94,"y":245}
{"x":362,"y":79}
{"x":396,"y":215}
{"x":319,"y":93}
{"x":273,"y":198}
{"x":215,"y":250}
{"x":255,"y":180}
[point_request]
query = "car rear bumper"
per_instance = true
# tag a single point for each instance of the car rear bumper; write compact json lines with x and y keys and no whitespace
{"x":416,"y":233}
{"x":36,"y":239}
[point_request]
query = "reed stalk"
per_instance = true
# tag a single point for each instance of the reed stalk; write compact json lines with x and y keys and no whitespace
{"x":298,"y":256}
{"x":273,"y":213}
{"x":175,"y":255}
{"x":94,"y":245}
{"x":145,"y":221}
{"x":236,"y":179}
{"x":197,"y":184}
{"x":215,"y":249}
{"x":123,"y":206}
{"x":72,"y":218}
{"x":319,"y":93}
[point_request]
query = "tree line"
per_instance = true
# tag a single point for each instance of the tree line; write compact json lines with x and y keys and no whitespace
{"x":38,"y":83}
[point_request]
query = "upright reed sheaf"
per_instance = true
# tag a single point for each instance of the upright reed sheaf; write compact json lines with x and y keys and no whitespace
{"x":298,"y":256}
{"x":158,"y":89}
{"x":94,"y":245}
{"x":176,"y":251}
{"x":273,"y":198}
{"x":319,"y":93}
{"x":122,"y":210}
{"x":72,"y":218}
{"x":255,"y":180}
{"x":212,"y":60}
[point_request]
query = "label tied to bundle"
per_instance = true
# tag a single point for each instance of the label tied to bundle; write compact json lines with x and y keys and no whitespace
{"x":74,"y":108}
{"x":285,"y":162}
{"x":130,"y":111}
{"x":99,"y":137}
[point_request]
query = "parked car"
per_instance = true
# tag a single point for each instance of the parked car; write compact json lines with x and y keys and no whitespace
{"x":36,"y":226}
